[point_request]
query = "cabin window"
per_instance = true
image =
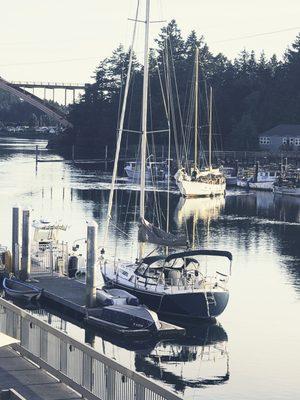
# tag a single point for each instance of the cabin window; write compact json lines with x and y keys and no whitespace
{"x":297,"y":141}
{"x":284,"y":140}
{"x":264,"y":140}
{"x":291,"y":140}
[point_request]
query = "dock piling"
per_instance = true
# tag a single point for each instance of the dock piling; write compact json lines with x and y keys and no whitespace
{"x":26,"y":257}
{"x":15,"y":240}
{"x":91,"y":267}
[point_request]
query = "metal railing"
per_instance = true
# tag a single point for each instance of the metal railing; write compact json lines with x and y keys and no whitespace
{"x":90,"y":373}
{"x":45,"y":260}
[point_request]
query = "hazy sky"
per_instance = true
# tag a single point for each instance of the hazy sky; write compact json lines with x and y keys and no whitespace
{"x":39,"y":38}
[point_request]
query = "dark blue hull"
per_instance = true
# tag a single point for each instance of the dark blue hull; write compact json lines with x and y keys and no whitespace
{"x":191,"y":305}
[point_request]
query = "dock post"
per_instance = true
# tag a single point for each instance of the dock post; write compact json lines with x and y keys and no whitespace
{"x":73,"y":153}
{"x":36,"y":154}
{"x":106,"y":153}
{"x":15,"y":240}
{"x":91,"y":267}
{"x":26,"y":256}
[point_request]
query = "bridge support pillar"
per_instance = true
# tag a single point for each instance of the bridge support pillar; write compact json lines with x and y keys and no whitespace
{"x":74,"y":96}
{"x":65,"y":97}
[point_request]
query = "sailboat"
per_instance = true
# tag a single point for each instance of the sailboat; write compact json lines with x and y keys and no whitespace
{"x":179,"y":284}
{"x":206,"y":181}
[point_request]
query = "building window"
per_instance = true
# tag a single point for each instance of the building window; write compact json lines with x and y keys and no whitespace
{"x":297,"y":141}
{"x":264,"y":140}
{"x":285,"y":140}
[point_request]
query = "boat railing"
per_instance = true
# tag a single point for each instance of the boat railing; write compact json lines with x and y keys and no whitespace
{"x":47,"y":259}
{"x":90,"y":373}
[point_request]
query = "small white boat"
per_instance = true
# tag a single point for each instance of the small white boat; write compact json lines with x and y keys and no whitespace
{"x":263,"y":180}
{"x":154,"y":170}
{"x":210,"y":182}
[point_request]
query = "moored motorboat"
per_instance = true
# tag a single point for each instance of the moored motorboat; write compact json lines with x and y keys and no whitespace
{"x":21,"y":290}
{"x":288,"y":184}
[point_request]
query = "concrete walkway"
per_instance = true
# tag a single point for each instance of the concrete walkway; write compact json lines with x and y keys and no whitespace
{"x":28,"y":380}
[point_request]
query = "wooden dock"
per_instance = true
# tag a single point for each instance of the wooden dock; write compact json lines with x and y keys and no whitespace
{"x":29,"y":381}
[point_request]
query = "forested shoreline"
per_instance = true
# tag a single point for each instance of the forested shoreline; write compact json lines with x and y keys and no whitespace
{"x":252,"y":93}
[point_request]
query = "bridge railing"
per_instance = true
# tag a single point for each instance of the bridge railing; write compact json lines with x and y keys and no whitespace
{"x":90,"y":373}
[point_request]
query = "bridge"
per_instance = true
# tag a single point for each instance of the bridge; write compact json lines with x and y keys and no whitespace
{"x":52,"y":86}
{"x":18,"y":89}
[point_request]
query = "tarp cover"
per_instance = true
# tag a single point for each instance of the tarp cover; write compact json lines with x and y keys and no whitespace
{"x":152,"y":234}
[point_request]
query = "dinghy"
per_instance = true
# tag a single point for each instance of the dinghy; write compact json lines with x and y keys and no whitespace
{"x":125,"y":319}
{"x":21,"y":290}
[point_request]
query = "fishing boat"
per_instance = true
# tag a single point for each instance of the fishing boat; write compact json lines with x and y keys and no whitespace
{"x":207,"y":181}
{"x":288,"y":184}
{"x":263,"y":179}
{"x":21,"y":290}
{"x":48,"y":251}
{"x":179,"y":284}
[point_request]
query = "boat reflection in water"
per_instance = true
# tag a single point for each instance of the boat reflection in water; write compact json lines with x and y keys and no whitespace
{"x":196,"y":360}
{"x":205,"y":208}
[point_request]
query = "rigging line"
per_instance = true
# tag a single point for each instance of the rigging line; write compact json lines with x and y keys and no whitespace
{"x":119,"y":229}
{"x":177,"y":92}
{"x":49,"y":62}
{"x":257,"y":35}
{"x":169,"y":152}
{"x":167,"y":67}
{"x":119,"y":133}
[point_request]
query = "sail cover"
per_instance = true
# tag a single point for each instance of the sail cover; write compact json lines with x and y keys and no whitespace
{"x":152,"y":234}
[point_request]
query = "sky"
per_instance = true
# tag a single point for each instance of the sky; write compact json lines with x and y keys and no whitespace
{"x":64,"y":40}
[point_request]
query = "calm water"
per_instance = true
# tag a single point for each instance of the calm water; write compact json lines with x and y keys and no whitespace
{"x":253,"y":351}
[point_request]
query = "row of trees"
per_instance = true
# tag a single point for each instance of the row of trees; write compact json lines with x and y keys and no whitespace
{"x":14,"y":111}
{"x":251,"y":93}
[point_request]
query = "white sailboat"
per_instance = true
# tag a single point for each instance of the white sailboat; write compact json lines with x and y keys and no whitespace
{"x":201,"y":182}
{"x":180,"y":284}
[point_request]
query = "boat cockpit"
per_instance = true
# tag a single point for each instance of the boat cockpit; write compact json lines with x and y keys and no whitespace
{"x":179,"y":270}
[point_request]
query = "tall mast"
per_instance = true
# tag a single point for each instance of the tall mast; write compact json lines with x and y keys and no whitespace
{"x":210,"y":127}
{"x":196,"y":105}
{"x":120,"y":128}
{"x":145,"y":111}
